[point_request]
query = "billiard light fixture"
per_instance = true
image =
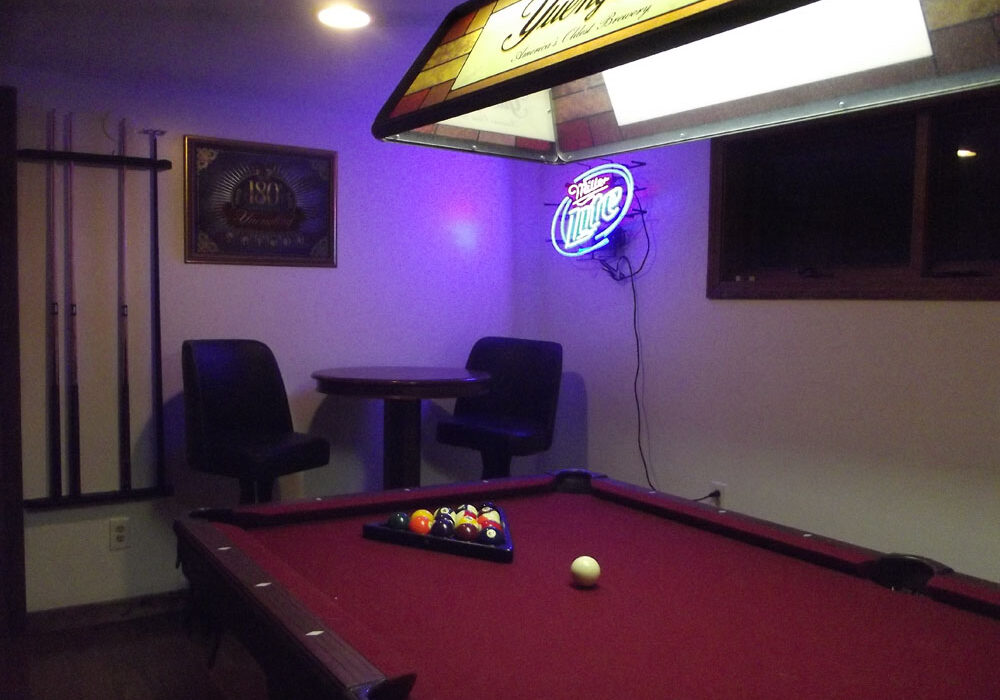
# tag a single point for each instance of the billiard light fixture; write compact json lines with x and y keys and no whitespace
{"x":343,"y":16}
{"x":567,"y":80}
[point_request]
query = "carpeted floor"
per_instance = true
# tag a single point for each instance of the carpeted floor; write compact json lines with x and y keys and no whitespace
{"x":149,"y":658}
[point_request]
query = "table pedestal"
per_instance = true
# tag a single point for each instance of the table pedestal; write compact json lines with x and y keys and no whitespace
{"x":401,"y":443}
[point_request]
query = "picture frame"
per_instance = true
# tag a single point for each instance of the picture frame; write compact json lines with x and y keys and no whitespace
{"x":249,"y":203}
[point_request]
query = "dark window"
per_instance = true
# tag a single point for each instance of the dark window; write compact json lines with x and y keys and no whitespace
{"x":964,"y":217}
{"x":873,"y":205}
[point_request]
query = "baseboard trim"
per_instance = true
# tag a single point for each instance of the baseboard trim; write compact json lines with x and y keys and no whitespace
{"x":94,"y":614}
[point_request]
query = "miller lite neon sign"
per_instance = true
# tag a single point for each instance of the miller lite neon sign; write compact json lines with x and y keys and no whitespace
{"x":594,"y":206}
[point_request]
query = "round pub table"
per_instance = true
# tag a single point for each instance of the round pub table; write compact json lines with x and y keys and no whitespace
{"x":401,"y":390}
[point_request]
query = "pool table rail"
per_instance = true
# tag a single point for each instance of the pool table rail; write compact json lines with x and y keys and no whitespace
{"x":231,"y":591}
{"x":902,"y":572}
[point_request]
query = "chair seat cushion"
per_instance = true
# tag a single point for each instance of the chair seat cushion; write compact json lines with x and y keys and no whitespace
{"x":264,"y":456}
{"x":493,"y":434}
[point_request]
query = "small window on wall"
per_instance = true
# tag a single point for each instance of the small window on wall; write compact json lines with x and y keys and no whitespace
{"x":896,"y":203}
{"x":963,"y":223}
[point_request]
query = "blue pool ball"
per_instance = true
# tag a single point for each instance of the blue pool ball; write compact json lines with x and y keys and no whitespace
{"x":492,"y":535}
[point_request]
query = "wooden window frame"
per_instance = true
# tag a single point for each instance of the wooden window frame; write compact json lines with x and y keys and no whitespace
{"x":918,"y":279}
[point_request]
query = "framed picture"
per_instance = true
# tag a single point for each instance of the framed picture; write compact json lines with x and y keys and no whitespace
{"x":259,"y":204}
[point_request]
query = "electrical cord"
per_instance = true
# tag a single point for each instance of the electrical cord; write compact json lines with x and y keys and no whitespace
{"x":619,"y":268}
{"x":638,"y":374}
{"x":617,"y":273}
{"x":621,"y":271}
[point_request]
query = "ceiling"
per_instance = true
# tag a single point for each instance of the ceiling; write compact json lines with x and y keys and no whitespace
{"x":240,"y":11}
{"x":269,"y":46}
{"x":276,"y":50}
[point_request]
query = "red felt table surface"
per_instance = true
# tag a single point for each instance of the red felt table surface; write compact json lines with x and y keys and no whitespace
{"x":678,"y":613}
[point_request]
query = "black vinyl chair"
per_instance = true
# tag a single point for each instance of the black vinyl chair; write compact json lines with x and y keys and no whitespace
{"x":237,"y":417}
{"x":517,"y":415}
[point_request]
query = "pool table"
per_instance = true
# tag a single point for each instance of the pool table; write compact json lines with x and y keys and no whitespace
{"x":693,"y":602}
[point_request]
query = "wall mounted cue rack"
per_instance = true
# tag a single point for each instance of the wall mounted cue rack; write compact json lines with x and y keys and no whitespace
{"x":57,"y":496}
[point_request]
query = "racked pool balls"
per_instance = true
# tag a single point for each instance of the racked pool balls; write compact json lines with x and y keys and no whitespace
{"x":465,"y":523}
{"x":398,"y":521}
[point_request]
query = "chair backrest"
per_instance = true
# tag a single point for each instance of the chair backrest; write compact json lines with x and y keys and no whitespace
{"x":524,"y":385}
{"x":231,"y":387}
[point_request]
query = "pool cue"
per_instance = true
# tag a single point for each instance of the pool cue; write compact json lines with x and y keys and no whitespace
{"x":124,"y":412}
{"x":52,"y":395}
{"x":72,"y":372}
{"x":154,"y":294}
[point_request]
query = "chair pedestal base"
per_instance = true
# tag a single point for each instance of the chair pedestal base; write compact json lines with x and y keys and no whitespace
{"x":256,"y":490}
{"x":496,"y":464}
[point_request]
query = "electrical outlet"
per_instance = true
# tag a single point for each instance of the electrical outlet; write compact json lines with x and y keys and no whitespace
{"x":720,"y":500}
{"x":118,"y":534}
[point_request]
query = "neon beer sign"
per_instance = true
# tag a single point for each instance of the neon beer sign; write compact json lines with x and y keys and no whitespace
{"x":594,"y":205}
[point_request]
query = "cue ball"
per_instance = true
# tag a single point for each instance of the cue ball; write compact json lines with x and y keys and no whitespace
{"x":585,"y":571}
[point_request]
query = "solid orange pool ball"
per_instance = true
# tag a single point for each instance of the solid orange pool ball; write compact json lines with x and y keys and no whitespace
{"x":420,"y":524}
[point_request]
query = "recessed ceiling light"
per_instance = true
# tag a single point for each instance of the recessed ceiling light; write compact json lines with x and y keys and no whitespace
{"x":344,"y":16}
{"x":965,"y":153}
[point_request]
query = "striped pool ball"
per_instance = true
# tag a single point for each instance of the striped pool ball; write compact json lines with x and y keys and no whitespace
{"x":490,"y":517}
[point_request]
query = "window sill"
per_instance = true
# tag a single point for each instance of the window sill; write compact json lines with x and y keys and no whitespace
{"x":880,"y":283}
